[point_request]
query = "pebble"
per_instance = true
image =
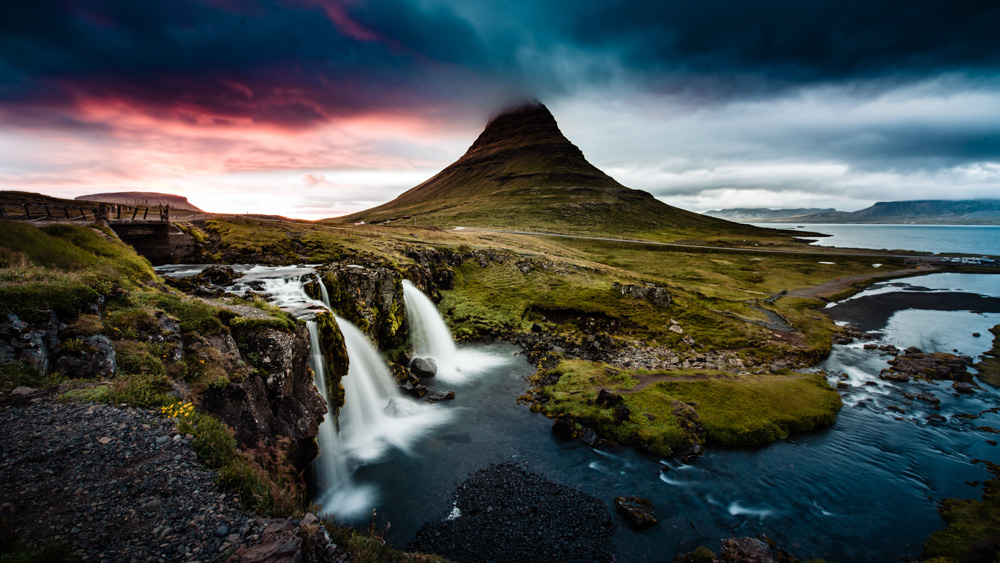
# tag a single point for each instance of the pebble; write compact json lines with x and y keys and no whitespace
{"x":126,"y":500}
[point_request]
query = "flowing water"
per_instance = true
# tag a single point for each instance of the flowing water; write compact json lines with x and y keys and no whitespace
{"x":432,"y":339}
{"x":864,"y":489}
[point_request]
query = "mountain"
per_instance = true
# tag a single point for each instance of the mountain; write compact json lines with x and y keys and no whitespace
{"x":759,"y":214}
{"x":143,"y":198}
{"x":931,"y":211}
{"x":522,"y":173}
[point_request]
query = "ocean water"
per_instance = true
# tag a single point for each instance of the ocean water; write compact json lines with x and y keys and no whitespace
{"x":968,"y":239}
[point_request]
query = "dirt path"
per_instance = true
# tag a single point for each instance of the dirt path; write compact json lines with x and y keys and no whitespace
{"x":828,"y":289}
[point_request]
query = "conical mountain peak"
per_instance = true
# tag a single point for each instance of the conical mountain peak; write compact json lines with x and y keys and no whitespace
{"x":523,"y":173}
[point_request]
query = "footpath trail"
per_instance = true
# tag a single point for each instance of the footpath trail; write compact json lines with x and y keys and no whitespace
{"x":114,"y":483}
{"x":828,"y":289}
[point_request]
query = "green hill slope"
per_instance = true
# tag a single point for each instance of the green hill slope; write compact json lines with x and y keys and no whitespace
{"x":522,"y":173}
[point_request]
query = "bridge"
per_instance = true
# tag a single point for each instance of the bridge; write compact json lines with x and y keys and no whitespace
{"x":112,"y":214}
{"x":146,"y":228}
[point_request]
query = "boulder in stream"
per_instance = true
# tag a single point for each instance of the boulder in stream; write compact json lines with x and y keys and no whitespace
{"x":423,"y":367}
{"x":638,"y":512}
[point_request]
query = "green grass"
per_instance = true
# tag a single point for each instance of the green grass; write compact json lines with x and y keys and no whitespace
{"x":746,"y":410}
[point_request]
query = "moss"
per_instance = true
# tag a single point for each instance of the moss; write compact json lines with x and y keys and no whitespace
{"x":194,"y":315}
{"x":145,"y":390}
{"x":666,"y":415}
{"x":276,"y":323}
{"x":756,"y":409}
{"x":139,"y":357}
{"x":65,"y":297}
{"x":335,"y":353}
{"x":973,"y":527}
{"x":17,"y":374}
{"x":85,"y":325}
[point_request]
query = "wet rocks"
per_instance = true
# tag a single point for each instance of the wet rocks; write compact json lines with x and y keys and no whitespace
{"x":916,"y":364}
{"x":413,"y":389}
{"x":510,"y":514}
{"x":745,"y":550}
{"x":95,"y":477}
{"x":962,"y":388}
{"x":638,"y":512}
{"x":436,"y":396}
{"x":423,"y":368}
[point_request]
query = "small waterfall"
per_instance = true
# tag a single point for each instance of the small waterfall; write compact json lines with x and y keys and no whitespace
{"x":431,"y":337}
{"x":322,"y":291}
{"x":372,"y":402}
{"x":339,"y":493}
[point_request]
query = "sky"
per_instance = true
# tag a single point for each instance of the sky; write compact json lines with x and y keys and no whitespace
{"x":313,"y":109}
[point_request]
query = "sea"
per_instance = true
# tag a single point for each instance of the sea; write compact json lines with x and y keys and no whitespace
{"x":939,"y":239}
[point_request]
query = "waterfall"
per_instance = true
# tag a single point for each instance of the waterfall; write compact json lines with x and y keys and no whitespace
{"x":338,"y":492}
{"x":322,"y":291}
{"x":431,"y":337}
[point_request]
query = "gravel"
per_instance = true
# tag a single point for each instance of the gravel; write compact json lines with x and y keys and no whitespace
{"x":505,"y":513}
{"x":115,"y":483}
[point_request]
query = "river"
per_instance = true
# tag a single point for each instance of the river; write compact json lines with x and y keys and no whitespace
{"x":865,"y":489}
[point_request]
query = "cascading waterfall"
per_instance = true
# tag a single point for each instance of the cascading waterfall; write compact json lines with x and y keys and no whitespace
{"x":330,"y":468}
{"x":375,"y":416}
{"x":432,"y":339}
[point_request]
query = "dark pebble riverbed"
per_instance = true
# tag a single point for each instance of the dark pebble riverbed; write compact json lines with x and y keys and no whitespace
{"x":505,"y":513}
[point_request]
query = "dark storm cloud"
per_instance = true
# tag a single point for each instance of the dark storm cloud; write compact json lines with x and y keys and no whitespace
{"x":299,"y":62}
{"x":793,"y":41}
{"x":281,"y":63}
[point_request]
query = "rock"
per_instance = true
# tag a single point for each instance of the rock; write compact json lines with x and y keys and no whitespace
{"x":676,"y":328}
{"x":777,"y":367}
{"x":535,"y":327}
{"x":976,"y":334}
{"x":414,"y":389}
{"x":423,"y":367}
{"x":932,"y":365}
{"x":219,"y":275}
{"x":745,"y":550}
{"x":22,"y":390}
{"x":606,"y":398}
{"x":700,"y":555}
{"x":222,"y":531}
{"x":440,"y":396}
{"x":655,"y":295}
{"x":622,"y":413}
{"x":589,"y":437}
{"x":962,"y":387}
{"x":280,"y":402}
{"x":563,"y":428}
{"x":93,"y":356}
{"x":638,"y":512}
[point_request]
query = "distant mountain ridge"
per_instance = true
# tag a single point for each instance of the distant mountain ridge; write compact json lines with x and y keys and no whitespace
{"x":753,"y":214}
{"x":522,"y":173}
{"x":930,"y":211}
{"x":142,"y":198}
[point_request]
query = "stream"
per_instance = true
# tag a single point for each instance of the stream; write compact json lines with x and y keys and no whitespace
{"x":864,"y":489}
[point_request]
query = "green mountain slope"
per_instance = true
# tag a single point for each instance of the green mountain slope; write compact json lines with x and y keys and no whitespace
{"x":522,"y":173}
